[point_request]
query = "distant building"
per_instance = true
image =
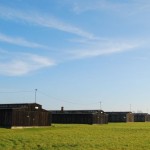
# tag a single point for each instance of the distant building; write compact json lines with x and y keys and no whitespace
{"x":120,"y":116}
{"x":24,"y":115}
{"x":79,"y":117}
{"x":141,"y":117}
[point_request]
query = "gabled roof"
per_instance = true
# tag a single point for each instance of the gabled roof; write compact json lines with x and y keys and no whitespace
{"x":75,"y":111}
{"x":119,"y":112}
{"x":18,"y":105}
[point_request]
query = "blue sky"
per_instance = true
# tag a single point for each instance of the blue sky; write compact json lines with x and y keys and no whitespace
{"x":76,"y":53}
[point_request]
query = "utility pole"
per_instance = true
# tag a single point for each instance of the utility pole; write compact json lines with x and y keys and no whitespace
{"x":35,"y":94}
{"x":130,"y":107}
{"x":100,"y":105}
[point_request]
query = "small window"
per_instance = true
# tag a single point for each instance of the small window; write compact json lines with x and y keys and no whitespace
{"x":36,"y":107}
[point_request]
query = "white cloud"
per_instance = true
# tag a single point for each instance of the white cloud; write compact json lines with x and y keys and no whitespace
{"x":88,"y":5}
{"x":22,"y":64}
{"x":125,"y":7}
{"x":43,"y":20}
{"x":19,"y":41}
{"x":52,"y":22}
{"x":99,"y":48}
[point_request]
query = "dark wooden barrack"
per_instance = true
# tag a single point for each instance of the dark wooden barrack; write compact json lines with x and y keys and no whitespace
{"x":120,"y":116}
{"x":79,"y":117}
{"x":24,"y":115}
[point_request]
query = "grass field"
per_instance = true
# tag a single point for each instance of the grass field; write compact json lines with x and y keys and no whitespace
{"x":113,"y":136}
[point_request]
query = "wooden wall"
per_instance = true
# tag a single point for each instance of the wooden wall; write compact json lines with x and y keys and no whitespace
{"x":120,"y":117}
{"x":5,"y":117}
{"x":31,"y":118}
{"x":21,"y":117}
{"x":79,"y":118}
{"x":141,"y":117}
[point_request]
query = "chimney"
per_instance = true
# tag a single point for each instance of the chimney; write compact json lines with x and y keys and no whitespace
{"x":62,"y":109}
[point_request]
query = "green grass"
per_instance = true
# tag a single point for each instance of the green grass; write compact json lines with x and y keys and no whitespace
{"x":113,"y":136}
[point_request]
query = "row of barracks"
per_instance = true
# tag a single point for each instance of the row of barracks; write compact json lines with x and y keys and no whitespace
{"x":96,"y":116}
{"x":33,"y":115}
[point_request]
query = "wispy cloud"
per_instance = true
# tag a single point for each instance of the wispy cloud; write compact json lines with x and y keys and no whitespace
{"x":83,"y":6}
{"x":19,"y":41}
{"x":132,"y":6}
{"x":43,"y":20}
{"x":22,"y":63}
{"x":106,"y":48}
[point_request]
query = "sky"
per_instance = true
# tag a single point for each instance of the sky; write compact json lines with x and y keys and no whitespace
{"x":77,"y":54}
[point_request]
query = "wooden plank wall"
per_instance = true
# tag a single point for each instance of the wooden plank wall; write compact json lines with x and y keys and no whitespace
{"x":31,"y":118}
{"x":120,"y":117}
{"x":5,"y":117}
{"x":79,"y":118}
{"x":21,"y":117}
